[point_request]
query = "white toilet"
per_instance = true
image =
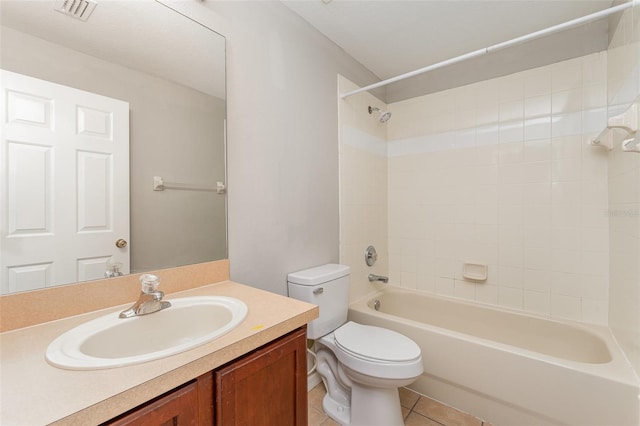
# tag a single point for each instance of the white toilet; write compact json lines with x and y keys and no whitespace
{"x":361,"y":366}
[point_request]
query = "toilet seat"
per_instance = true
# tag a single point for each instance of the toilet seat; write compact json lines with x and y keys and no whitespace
{"x":375,"y":343}
{"x":364,"y":349}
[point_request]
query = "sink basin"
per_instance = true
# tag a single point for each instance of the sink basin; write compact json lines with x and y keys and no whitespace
{"x":110,"y":341}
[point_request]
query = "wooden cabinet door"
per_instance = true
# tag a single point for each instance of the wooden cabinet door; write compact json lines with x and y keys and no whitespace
{"x":265,"y":388}
{"x":189,"y":405}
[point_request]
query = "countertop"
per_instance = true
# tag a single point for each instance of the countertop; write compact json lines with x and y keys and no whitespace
{"x":32,"y":392}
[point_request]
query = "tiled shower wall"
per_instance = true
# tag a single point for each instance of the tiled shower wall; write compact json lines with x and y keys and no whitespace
{"x":499,"y":172}
{"x":624,"y":192}
{"x":363,"y":188}
{"x":496,"y":172}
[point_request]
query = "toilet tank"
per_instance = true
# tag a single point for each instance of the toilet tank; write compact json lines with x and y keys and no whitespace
{"x":326,"y":286}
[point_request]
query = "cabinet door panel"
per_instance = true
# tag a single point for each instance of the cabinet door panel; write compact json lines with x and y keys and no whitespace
{"x":178,"y":408}
{"x":191,"y":404}
{"x":265,"y":388}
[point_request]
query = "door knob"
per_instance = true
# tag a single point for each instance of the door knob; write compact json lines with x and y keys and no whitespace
{"x":121,"y":243}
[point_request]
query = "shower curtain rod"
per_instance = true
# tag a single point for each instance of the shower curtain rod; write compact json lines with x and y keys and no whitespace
{"x":518,"y":40}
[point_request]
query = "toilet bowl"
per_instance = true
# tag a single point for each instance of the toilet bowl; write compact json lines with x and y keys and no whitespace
{"x":373,"y":363}
{"x":361,"y":366}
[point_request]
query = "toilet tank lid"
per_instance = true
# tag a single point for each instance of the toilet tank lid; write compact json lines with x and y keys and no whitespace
{"x":319,"y":274}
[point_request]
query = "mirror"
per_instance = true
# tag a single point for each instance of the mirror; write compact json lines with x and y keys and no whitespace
{"x":169,"y":71}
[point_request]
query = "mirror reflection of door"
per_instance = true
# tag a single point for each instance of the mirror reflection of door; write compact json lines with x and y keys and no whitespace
{"x":54,"y":138}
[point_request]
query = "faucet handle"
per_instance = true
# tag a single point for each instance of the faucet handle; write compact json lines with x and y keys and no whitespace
{"x":149,"y":283}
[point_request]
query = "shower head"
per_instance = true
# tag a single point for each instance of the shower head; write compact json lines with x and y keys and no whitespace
{"x":384,"y":115}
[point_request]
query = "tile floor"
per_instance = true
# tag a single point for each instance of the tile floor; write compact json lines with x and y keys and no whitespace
{"x":418,"y":410}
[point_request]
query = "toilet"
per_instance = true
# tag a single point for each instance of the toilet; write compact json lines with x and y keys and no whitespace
{"x":361,"y":366}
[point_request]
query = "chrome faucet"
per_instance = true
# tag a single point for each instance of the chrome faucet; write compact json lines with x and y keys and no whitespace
{"x":374,"y":277}
{"x":113,"y":270}
{"x":150,"y":299}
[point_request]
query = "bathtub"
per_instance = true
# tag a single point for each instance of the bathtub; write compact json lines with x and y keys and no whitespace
{"x":506,"y":367}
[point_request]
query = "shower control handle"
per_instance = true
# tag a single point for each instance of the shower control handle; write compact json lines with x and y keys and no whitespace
{"x":370,"y":255}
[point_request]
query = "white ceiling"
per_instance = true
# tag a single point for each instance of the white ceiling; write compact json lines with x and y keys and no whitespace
{"x":139,"y":34}
{"x":391,"y":37}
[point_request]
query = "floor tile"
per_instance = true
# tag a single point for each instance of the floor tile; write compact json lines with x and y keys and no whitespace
{"x":416,"y":419}
{"x":315,"y":395}
{"x":444,"y":414}
{"x":314,"y":398}
{"x":408,"y":398}
{"x":405,"y":412}
{"x":315,"y":417}
{"x":329,"y":422}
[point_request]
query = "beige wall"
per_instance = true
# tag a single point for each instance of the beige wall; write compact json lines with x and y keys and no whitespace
{"x":624,"y":192}
{"x":173,"y":134}
{"x":282,"y":138}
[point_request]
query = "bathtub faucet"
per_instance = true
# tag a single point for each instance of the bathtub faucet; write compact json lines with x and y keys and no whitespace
{"x":374,"y":277}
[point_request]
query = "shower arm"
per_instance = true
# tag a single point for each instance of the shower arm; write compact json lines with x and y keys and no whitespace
{"x":518,"y":40}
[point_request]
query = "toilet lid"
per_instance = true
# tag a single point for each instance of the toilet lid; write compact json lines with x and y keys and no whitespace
{"x":376,"y":343}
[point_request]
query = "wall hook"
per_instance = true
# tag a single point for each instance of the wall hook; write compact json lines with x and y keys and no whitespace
{"x":604,"y":139}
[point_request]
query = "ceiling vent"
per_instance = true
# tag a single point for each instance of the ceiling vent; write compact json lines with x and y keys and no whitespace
{"x":79,"y":9}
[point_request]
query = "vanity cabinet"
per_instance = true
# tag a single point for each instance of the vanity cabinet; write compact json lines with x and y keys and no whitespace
{"x":266,"y":387}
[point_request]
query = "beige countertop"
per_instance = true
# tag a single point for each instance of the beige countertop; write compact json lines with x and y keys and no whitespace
{"x":32,"y":392}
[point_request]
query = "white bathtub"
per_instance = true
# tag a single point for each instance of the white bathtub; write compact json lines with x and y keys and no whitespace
{"x":509,"y":368}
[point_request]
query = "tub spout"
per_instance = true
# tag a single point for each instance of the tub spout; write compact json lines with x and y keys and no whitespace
{"x":374,"y":277}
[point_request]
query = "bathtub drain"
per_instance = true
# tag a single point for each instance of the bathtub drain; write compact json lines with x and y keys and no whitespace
{"x":376,"y":305}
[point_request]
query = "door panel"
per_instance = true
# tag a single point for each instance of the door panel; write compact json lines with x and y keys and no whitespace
{"x":93,"y":122}
{"x":64,"y":167}
{"x":95,"y":194}
{"x":92,"y":266}
{"x":30,"y":277}
{"x":29,"y":184}
{"x":28,"y":109}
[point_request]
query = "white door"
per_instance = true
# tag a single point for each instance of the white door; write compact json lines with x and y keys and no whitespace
{"x":64,"y":183}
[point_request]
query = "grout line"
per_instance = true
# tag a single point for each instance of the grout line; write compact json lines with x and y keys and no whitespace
{"x":426,"y":417}
{"x":449,"y":408}
{"x":415,"y":403}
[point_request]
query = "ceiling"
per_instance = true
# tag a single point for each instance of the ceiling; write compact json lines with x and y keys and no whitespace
{"x":392,"y":37}
{"x":140,"y":34}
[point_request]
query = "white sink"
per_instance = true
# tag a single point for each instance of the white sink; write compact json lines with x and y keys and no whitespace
{"x":110,"y":341}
